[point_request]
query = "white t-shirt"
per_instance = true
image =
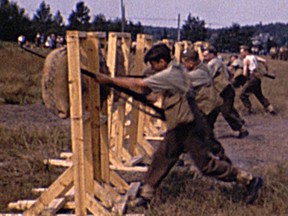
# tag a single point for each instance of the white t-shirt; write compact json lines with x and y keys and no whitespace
{"x":252,"y":62}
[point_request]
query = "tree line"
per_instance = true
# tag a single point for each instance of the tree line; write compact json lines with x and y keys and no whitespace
{"x":15,"y":21}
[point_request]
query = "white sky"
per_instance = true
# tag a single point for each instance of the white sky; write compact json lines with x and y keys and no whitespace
{"x":216,"y":13}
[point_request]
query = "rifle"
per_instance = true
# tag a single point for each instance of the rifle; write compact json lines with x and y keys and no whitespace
{"x":135,"y":95}
{"x":270,"y":75}
{"x":139,"y":97}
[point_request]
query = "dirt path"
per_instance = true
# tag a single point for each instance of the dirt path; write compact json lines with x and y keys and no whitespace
{"x":266,"y":143}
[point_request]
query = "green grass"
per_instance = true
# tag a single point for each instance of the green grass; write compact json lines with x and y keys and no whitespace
{"x":180,"y":194}
{"x":22,"y":152}
{"x":20,"y":74}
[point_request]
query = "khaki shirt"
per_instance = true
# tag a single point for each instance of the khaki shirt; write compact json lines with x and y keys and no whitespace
{"x":174,"y":84}
{"x":219,"y":74}
{"x":206,"y":96}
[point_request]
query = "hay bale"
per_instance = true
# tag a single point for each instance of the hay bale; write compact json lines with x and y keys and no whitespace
{"x":55,"y":92}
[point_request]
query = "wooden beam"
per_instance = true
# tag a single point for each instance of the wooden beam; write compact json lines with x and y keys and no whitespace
{"x":76,"y":119}
{"x":120,"y":206}
{"x":129,"y":169}
{"x":94,"y":207}
{"x":136,"y":131}
{"x":118,"y":182}
{"x":60,"y":186}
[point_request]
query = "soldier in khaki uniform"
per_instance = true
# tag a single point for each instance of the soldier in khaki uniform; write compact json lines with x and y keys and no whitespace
{"x":235,"y":68}
{"x":206,"y":97}
{"x":185,"y":133}
{"x":223,"y":86}
{"x":253,"y":74}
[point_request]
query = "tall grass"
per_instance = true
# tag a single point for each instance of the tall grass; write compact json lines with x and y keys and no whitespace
{"x":22,"y":152}
{"x":20,"y":74}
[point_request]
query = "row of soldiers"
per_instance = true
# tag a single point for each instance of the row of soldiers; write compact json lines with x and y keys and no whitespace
{"x":194,"y":93}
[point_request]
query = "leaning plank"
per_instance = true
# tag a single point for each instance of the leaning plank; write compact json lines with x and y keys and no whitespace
{"x":134,"y":161}
{"x":60,"y":186}
{"x":118,"y":182}
{"x":120,"y":205}
{"x":103,"y":195}
{"x":54,"y":206}
{"x":94,"y":207}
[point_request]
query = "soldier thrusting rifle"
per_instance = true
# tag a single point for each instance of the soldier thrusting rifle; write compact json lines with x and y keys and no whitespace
{"x":185,"y":133}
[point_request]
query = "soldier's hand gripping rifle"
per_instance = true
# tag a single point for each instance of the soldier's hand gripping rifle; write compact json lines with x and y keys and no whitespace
{"x":135,"y":95}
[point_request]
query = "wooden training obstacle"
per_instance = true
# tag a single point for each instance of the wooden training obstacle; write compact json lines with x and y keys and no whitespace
{"x":88,"y":185}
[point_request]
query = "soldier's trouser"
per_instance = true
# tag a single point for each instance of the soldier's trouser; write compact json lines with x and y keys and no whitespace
{"x":227,"y":109}
{"x":253,"y":86}
{"x":188,"y":139}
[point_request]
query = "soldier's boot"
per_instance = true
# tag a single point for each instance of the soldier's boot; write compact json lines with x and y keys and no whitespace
{"x":144,"y":197}
{"x":252,"y":183}
{"x":243,"y":132}
{"x":271,"y":110}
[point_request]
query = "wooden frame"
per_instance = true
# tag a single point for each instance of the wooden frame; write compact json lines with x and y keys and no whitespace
{"x":88,"y":184}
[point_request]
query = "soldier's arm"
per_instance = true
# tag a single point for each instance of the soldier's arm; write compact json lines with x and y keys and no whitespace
{"x":128,"y":83}
{"x":245,"y":67}
{"x":263,"y":61}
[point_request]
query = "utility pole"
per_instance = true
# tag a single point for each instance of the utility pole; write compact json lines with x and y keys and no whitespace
{"x":123,"y":16}
{"x":179,"y":33}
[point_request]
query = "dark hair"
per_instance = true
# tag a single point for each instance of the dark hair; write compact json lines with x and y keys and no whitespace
{"x":245,"y":48}
{"x":190,"y":54}
{"x":157,"y":52}
{"x":212,"y":49}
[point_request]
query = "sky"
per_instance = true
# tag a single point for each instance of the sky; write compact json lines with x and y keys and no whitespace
{"x":215,"y":13}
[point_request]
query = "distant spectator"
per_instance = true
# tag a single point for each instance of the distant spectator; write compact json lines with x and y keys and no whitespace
{"x":59,"y":41}
{"x":50,"y":41}
{"x":21,"y":40}
{"x":38,"y":39}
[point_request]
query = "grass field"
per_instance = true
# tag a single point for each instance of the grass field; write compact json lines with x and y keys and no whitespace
{"x":22,"y":150}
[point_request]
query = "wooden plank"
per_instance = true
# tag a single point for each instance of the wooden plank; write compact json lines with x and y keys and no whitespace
{"x":76,"y":119}
{"x":38,"y":190}
{"x":94,"y":207}
{"x":105,"y":174}
{"x":66,"y":155}
{"x":58,"y":162}
{"x":129,"y":169}
{"x":89,"y":47}
{"x":134,"y":160}
{"x":54,"y":207}
{"x":136,"y":132}
{"x":118,"y":182}
{"x":60,"y":186}
{"x":21,"y":204}
{"x":111,"y":63}
{"x":120,"y":206}
{"x":154,"y":138}
{"x":94,"y":94}
{"x":114,"y":160}
{"x":147,"y":147}
{"x":103,"y":195}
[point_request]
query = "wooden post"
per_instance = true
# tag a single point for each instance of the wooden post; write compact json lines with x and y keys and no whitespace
{"x":117,"y":128}
{"x":144,"y":42}
{"x":76,"y":116}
